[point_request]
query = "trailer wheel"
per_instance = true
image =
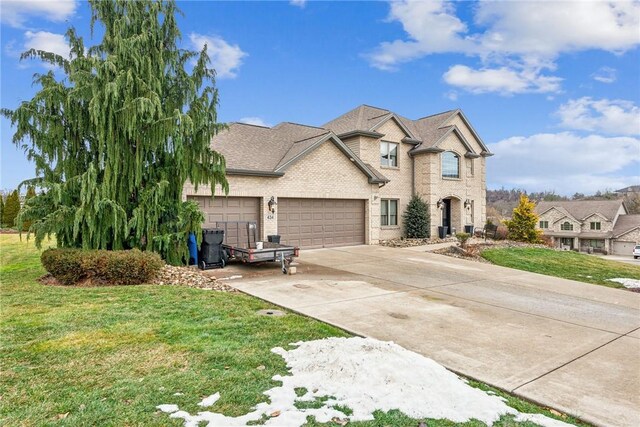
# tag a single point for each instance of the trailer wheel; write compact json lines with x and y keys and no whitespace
{"x":223,"y":262}
{"x":203,"y":265}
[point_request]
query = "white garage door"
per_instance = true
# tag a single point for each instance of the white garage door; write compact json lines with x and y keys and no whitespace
{"x":623,"y":248}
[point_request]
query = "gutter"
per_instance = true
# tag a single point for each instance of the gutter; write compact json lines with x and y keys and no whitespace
{"x":360,"y":133}
{"x":249,"y":172}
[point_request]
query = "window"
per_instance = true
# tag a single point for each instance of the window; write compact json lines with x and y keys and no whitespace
{"x":593,"y":243}
{"x":450,"y":165}
{"x":566,"y":226}
{"x":595,"y":225}
{"x":388,"y":212}
{"x":388,"y":154}
{"x":472,"y":166}
{"x":544,"y":224}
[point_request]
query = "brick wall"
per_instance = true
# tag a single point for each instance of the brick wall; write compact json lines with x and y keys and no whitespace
{"x":325,"y":173}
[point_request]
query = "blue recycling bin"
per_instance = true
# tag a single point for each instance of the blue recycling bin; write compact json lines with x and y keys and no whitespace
{"x":193,"y":249}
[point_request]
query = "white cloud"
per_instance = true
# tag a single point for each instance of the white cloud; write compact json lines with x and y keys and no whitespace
{"x":16,"y":13}
{"x":564,"y":162}
{"x":431,"y":26}
{"x":503,"y":80}
{"x":258,"y":121}
{"x":49,"y":42}
{"x":516,"y":37}
{"x":617,"y":116}
{"x":298,"y":3}
{"x":225,"y":58}
{"x":605,"y":75}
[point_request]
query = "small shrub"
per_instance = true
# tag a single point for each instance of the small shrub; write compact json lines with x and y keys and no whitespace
{"x":462,"y":238}
{"x":416,"y":219}
{"x":501,"y":233}
{"x":546,"y":240}
{"x":522,"y":225}
{"x":131,"y":267}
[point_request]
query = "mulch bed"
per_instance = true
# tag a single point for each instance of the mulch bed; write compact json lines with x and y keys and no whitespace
{"x":167,"y":276}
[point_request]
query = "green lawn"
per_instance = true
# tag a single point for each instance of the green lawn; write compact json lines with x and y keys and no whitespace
{"x":565,"y":264}
{"x":107,"y":356}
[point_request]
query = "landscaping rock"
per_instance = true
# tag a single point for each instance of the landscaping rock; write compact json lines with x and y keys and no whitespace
{"x":189,"y":276}
{"x":408,"y":243}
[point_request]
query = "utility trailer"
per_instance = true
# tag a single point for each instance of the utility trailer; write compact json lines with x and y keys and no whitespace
{"x":240,"y":243}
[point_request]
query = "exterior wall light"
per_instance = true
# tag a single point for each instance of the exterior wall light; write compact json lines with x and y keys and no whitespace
{"x":467,"y":204}
{"x":439,"y":204}
{"x":272,"y":204}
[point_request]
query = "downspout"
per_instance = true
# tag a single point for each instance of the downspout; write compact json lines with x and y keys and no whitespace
{"x":413,"y":176}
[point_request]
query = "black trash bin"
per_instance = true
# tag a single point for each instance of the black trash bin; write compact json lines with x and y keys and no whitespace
{"x":273,"y":238}
{"x":468,"y":229}
{"x":211,"y":253}
{"x":442,"y":231}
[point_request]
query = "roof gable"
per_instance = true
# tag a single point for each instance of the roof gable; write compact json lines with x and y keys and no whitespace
{"x":583,"y":208}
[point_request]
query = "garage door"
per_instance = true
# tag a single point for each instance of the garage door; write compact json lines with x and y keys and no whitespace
{"x":222,"y":208}
{"x":318,"y":223}
{"x":623,"y":248}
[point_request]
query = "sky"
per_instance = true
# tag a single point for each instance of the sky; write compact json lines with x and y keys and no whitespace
{"x":552,"y":88}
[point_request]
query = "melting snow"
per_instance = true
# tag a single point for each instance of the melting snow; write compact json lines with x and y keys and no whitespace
{"x":168,"y":408}
{"x":365,"y":375}
{"x":627,"y":283}
{"x":208,"y":401}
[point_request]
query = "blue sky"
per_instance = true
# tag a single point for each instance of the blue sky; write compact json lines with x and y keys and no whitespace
{"x":552,"y":87}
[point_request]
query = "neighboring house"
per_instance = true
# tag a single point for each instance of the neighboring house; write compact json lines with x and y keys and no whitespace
{"x":629,"y":190}
{"x":349,"y":181}
{"x":590,"y":225}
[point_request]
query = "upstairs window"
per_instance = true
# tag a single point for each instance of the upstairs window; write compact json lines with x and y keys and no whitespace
{"x":389,"y":154}
{"x":544,"y":224}
{"x":566,"y":226}
{"x":450,"y":165}
{"x":472,"y":167}
{"x":595,"y":225}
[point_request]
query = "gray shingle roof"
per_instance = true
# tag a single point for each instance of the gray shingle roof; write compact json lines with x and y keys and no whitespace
{"x":258,"y":149}
{"x":252,"y":148}
{"x":365,"y":118}
{"x":626,"y":223}
{"x":580,"y":209}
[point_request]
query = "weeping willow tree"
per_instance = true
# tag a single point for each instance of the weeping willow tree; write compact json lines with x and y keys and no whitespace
{"x":116,"y":130}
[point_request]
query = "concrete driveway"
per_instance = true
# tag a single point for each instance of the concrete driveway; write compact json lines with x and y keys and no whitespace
{"x":564,"y":344}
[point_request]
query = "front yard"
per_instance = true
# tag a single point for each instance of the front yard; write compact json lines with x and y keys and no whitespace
{"x":110,"y":355}
{"x":565,"y":264}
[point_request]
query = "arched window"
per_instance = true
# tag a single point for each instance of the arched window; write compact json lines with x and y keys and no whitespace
{"x":450,"y":165}
{"x":566,"y":226}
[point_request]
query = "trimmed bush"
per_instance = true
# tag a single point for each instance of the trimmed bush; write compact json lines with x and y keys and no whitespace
{"x":131,"y":267}
{"x":462,"y":238}
{"x":416,"y":219}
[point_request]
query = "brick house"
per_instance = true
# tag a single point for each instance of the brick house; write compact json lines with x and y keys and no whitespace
{"x":349,"y":181}
{"x":590,"y":225}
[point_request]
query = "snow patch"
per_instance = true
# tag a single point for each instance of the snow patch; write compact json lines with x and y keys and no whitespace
{"x":627,"y":283}
{"x":366,"y":375}
{"x":208,"y":401}
{"x":168,"y":408}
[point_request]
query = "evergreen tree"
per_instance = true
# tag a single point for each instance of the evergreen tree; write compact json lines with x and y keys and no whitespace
{"x":11,"y":209}
{"x":1,"y":210}
{"x":416,"y":219}
{"x":31,"y":193}
{"x":522,"y":225}
{"x":115,"y":140}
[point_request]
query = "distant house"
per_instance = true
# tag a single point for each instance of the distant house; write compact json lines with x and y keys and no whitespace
{"x":629,"y":189}
{"x":590,"y":225}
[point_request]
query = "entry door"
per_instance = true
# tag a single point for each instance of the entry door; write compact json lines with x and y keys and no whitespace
{"x":446,"y":215}
{"x":567,"y":242}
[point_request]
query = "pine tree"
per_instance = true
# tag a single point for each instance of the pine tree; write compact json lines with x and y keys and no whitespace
{"x":416,"y":219}
{"x":11,"y":209}
{"x":1,"y":209}
{"x":115,"y":140}
{"x":522,"y":225}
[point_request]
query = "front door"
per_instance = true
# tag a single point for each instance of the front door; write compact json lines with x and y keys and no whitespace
{"x":446,"y":215}
{"x":567,"y":241}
